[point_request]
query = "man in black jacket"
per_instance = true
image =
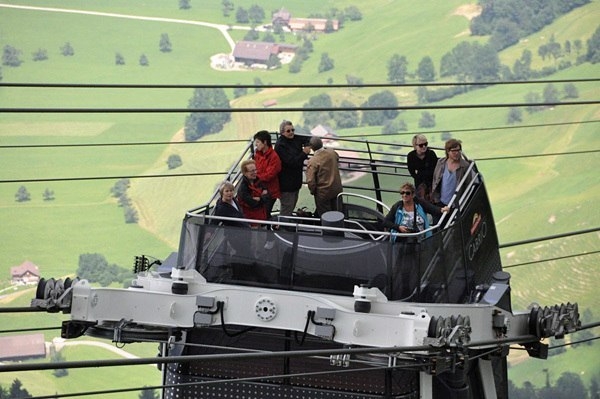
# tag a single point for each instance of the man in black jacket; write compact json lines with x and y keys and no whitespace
{"x":293,"y":150}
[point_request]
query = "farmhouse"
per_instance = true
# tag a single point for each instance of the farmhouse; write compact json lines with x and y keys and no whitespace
{"x":25,"y":273}
{"x":21,"y":347}
{"x":284,"y":18}
{"x":317,"y":24}
{"x":260,"y":52}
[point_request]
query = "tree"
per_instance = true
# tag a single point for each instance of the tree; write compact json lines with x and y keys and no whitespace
{"x":484,"y":65}
{"x":296,"y":65}
{"x":120,"y":188}
{"x":353,"y":80}
{"x":578,"y":46}
{"x":427,"y":120}
{"x":119,"y":59}
{"x":40,"y":55}
{"x":251,"y":36}
{"x":533,"y":99}
{"x":551,"y":94}
{"x":397,"y":67}
{"x":184,"y":4}
{"x":569,"y":386}
{"x":258,"y":82}
{"x":328,"y":26}
{"x":583,"y":335}
{"x":394,"y":126}
{"x":593,"y":47}
{"x":22,"y":195}
{"x":131,"y":215}
{"x":570,"y":91}
{"x":269,"y":38}
{"x":240,"y":91}
{"x":95,"y":268}
{"x":273,"y":62}
{"x":241,"y":16}
{"x":165,"y":43}
{"x":522,"y":66}
{"x":48,"y":195}
{"x":326,"y":63}
{"x":313,"y":118}
{"x":448,"y":65}
{"x":515,"y":115}
{"x":567,"y":46}
{"x":347,"y":118}
{"x":227,"y":7}
{"x":10,"y":56}
{"x":594,"y":388}
{"x":378,"y":117}
{"x":352,"y":13}
{"x":174,"y":161}
{"x":256,"y":14}
{"x":148,"y":394}
{"x":426,"y":70}
{"x":67,"y":50}
{"x":198,"y":124}
{"x":16,"y":390}
{"x":57,"y":357}
{"x":144,"y":60}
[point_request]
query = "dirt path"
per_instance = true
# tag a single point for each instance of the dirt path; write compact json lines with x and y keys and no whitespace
{"x":224,"y":29}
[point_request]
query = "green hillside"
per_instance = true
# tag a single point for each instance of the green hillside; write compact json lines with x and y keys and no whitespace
{"x":531,"y":197}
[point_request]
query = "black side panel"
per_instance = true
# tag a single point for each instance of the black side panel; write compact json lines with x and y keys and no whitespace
{"x":336,"y":382}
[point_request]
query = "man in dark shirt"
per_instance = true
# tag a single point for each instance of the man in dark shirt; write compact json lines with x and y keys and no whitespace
{"x":421,"y":163}
{"x":293,"y":150}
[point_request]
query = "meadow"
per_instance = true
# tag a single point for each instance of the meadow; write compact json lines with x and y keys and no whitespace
{"x":531,"y":196}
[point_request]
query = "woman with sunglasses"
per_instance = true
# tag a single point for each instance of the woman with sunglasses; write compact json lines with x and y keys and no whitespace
{"x":409,"y":215}
{"x":421,"y":163}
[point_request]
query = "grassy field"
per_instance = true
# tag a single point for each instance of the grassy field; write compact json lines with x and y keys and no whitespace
{"x":531,"y":197}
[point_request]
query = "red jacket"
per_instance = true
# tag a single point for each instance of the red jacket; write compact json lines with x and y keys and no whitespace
{"x":268,"y":166}
{"x":251,"y":208}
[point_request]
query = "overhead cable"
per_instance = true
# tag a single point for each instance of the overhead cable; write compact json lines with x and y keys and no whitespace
{"x":285,"y":86}
{"x":285,"y":109}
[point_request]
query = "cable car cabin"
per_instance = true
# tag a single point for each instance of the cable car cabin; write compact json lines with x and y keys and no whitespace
{"x":333,"y":253}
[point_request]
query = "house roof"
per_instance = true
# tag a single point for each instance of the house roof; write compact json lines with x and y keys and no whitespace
{"x":282,"y":14}
{"x":24,"y":268}
{"x":255,"y":50}
{"x":318,"y":23}
{"x":323,"y":131}
{"x":22,"y":346}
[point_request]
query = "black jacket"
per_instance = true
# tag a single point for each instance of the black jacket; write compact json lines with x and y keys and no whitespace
{"x":227,"y":210}
{"x":292,"y":161}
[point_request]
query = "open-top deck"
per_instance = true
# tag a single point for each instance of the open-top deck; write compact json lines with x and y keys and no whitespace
{"x":332,"y":254}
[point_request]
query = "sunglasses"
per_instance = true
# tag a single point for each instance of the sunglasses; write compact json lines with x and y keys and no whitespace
{"x":290,"y":130}
{"x":455,"y":150}
{"x":405,"y":192}
{"x":423,"y":144}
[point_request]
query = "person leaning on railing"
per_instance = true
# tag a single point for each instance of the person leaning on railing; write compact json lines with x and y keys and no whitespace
{"x":227,"y":206}
{"x":268,"y":167}
{"x":421,"y":162}
{"x":293,"y":151}
{"x":448,"y":173}
{"x":252,"y":193}
{"x":409,"y":215}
